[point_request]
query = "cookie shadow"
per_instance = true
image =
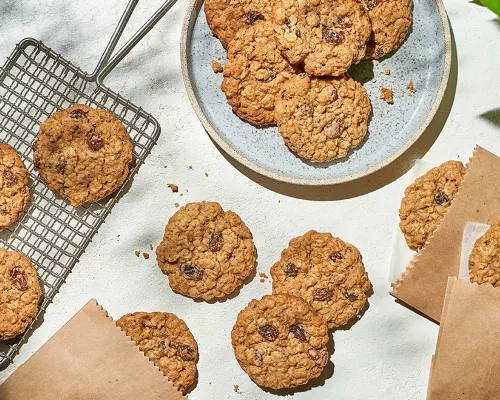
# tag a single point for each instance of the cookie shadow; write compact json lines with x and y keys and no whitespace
{"x":327,"y":373}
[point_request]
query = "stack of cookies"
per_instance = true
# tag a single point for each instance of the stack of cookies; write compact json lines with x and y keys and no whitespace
{"x":287,"y":64}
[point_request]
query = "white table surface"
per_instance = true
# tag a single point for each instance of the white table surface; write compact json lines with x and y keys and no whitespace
{"x":386,"y":355}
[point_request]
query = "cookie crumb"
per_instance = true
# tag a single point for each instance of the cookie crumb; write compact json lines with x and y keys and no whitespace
{"x":387,"y":71}
{"x":374,"y":80}
{"x":279,"y":201}
{"x":206,"y":174}
{"x":216,"y":66}
{"x":263,"y":275}
{"x":165,"y":166}
{"x":137,"y":253}
{"x":173,"y":187}
{"x":386,"y":95}
{"x":182,"y":194}
{"x":190,"y":167}
{"x":410,"y":87}
{"x":262,"y":280}
{"x":145,"y":255}
{"x":236,"y":388}
{"x":176,"y":205}
{"x":150,"y":246}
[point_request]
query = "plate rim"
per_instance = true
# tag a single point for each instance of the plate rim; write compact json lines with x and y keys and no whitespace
{"x":220,"y":141}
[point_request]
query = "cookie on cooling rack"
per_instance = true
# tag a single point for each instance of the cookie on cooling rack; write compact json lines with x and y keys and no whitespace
{"x":206,"y":252}
{"x":427,"y":200}
{"x":326,"y":272}
{"x":14,"y":190}
{"x":167,"y":341}
{"x":83,"y":153}
{"x":280,"y":342}
{"x":20,"y":293}
{"x":484,"y":260}
{"x":322,"y":119}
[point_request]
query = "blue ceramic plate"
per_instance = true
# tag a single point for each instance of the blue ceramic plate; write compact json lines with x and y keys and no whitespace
{"x":424,"y":58}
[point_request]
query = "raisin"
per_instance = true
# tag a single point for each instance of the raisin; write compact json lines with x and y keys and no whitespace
{"x":163,"y":346}
{"x":3,"y":211}
{"x":19,"y":278}
{"x":379,"y":52}
{"x":298,"y":33}
{"x":60,"y":167}
{"x":268,"y":332}
{"x":78,"y":113}
{"x":9,"y":178}
{"x":305,"y":110}
{"x":335,"y":93}
{"x":334,"y":128}
{"x":332,"y":37}
{"x":94,"y":140}
{"x":441,"y":197}
{"x":216,"y":242}
{"x":272,"y":74}
{"x":335,"y":256}
{"x":370,"y":4}
{"x":191,"y":271}
{"x":253,"y":16}
{"x":290,"y":269}
{"x":184,"y":351}
{"x":299,"y":332}
{"x":322,"y":294}
{"x":343,"y":22}
{"x":352,"y":296}
{"x":321,"y":355}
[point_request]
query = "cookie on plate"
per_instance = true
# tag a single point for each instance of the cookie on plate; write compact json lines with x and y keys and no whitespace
{"x":226,"y":17}
{"x":326,"y":272}
{"x":322,"y":119}
{"x":391,"y":20}
{"x":255,"y":72}
{"x":427,"y":200}
{"x":83,"y":153}
{"x":206,"y":252}
{"x":280,"y":342}
{"x":328,"y":36}
{"x":20,"y":293}
{"x":484,"y":260}
{"x":167,"y":341}
{"x":14,"y":190}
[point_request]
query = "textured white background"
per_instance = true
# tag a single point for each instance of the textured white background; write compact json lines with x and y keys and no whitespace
{"x":386,"y":355}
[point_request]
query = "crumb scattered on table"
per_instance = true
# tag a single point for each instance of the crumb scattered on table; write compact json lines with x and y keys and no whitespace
{"x":263,"y":275}
{"x":386,"y":95}
{"x":216,"y":66}
{"x":150,"y":246}
{"x":145,"y":255}
{"x":410,"y":87}
{"x":387,"y":71}
{"x":165,"y":166}
{"x":173,"y":187}
{"x":176,"y":205}
{"x":262,"y":280}
{"x":137,"y":253}
{"x":206,"y":174}
{"x":182,"y":194}
{"x":190,"y":167}
{"x":236,"y":388}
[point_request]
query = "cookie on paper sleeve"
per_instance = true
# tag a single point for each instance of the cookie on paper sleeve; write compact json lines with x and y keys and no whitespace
{"x":20,"y":293}
{"x":427,"y":200}
{"x":326,"y":272}
{"x":280,"y":342}
{"x":484,"y":260}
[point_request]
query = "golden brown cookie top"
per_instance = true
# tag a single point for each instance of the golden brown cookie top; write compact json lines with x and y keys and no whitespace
{"x":391,"y":20}
{"x":326,"y":272}
{"x":280,"y":342}
{"x":226,"y":17}
{"x":322,"y":119}
{"x":83,"y":153}
{"x":20,"y":293}
{"x":14,"y":190}
{"x":484,"y":260}
{"x":206,"y":252}
{"x":254,"y":73}
{"x":427,"y":200}
{"x":167,"y":341}
{"x":328,"y":36}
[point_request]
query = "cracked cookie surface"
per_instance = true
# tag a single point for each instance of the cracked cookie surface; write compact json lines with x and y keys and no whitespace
{"x":484,"y":260}
{"x":254,"y":73}
{"x":14,"y":190}
{"x":326,"y":272}
{"x":391,"y":20}
{"x":226,"y":17}
{"x":427,"y":200}
{"x":327,"y":36}
{"x":206,"y":252}
{"x":167,"y":341}
{"x":322,"y":119}
{"x":83,"y":153}
{"x":20,"y":293}
{"x":280,"y":342}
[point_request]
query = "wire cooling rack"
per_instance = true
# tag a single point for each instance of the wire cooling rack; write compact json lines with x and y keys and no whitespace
{"x":34,"y":83}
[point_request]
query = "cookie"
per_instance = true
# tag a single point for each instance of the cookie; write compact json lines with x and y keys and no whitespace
{"x":391,"y":20}
{"x":326,"y":272}
{"x":83,"y":153}
{"x":322,"y":119}
{"x":206,"y":252}
{"x":427,"y":200}
{"x":254,"y":73}
{"x":484,"y":260}
{"x":327,"y":36}
{"x":226,"y":17}
{"x":280,"y":342}
{"x":20,"y":293}
{"x":167,"y":341}
{"x":14,"y":190}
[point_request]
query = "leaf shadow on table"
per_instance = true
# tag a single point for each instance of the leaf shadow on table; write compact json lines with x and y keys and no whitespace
{"x":377,"y":179}
{"x":492,"y":116}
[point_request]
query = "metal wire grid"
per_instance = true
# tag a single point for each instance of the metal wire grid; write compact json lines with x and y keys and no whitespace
{"x":34,"y":83}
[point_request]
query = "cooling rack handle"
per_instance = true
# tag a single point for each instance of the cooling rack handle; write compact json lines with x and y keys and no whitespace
{"x":134,"y":39}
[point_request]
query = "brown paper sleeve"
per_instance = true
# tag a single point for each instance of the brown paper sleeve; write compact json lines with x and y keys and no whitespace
{"x":88,"y":358}
{"x":423,"y":284}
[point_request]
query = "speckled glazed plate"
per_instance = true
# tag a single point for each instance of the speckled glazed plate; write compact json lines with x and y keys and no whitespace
{"x":424,"y":58}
